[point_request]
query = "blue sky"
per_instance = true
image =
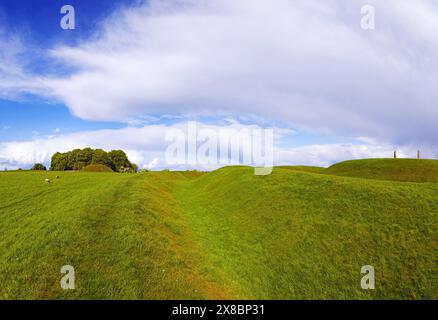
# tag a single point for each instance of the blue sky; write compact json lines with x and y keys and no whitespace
{"x":37,"y":23}
{"x":331,"y":89}
{"x":38,"y":20}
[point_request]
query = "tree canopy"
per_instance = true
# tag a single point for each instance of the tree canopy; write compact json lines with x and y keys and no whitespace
{"x":39,"y":167}
{"x":78,"y":159}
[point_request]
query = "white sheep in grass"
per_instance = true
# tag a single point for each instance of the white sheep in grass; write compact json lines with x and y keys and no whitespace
{"x":48,"y":180}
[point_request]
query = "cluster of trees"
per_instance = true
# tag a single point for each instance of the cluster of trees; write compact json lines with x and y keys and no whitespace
{"x":79,"y":158}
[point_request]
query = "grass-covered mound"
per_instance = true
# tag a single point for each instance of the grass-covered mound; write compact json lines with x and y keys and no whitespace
{"x":303,"y":168}
{"x":300,"y":235}
{"x":124,"y":235}
{"x":412,"y":170}
{"x":224,"y":234}
{"x":97,"y":168}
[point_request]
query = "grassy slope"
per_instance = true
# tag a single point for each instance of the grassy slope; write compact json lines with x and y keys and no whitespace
{"x":303,"y":235}
{"x":226,"y":234}
{"x":303,"y":168}
{"x":122,"y":233}
{"x":388,"y":169}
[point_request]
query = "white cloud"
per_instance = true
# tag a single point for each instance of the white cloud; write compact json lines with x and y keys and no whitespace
{"x":325,"y":155}
{"x":147,"y":145}
{"x":14,"y":80}
{"x":307,"y":63}
{"x":304,"y":62}
{"x":151,"y":165}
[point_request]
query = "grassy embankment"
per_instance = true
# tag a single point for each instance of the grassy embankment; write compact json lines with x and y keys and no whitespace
{"x":297,"y":233}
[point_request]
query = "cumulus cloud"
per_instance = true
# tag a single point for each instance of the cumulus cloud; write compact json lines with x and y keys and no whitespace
{"x":307,"y":63}
{"x":14,"y":79}
{"x":324,"y":155}
{"x":144,"y":145}
{"x":147,"y":146}
{"x":151,"y":165}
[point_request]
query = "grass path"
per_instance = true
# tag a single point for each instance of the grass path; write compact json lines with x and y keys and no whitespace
{"x":295,"y":234}
{"x":127,"y":240}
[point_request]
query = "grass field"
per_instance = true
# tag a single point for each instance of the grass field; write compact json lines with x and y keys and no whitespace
{"x":297,"y":233}
{"x":408,"y":170}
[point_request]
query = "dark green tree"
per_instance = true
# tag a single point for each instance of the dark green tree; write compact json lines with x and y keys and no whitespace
{"x":86,"y":156}
{"x":101,"y":157}
{"x":59,"y":162}
{"x":118,"y":160}
{"x":73,"y":158}
{"x":77,"y":159}
{"x":79,"y":165}
{"x":39,"y":167}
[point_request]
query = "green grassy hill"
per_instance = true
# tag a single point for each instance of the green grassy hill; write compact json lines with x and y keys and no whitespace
{"x":124,"y":234}
{"x":388,"y":169}
{"x":303,"y":235}
{"x":303,"y":168}
{"x":226,"y":234}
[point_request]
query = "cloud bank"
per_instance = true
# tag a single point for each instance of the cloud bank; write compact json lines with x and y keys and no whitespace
{"x":305,"y":63}
{"x":147,"y":146}
{"x":302,"y":64}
